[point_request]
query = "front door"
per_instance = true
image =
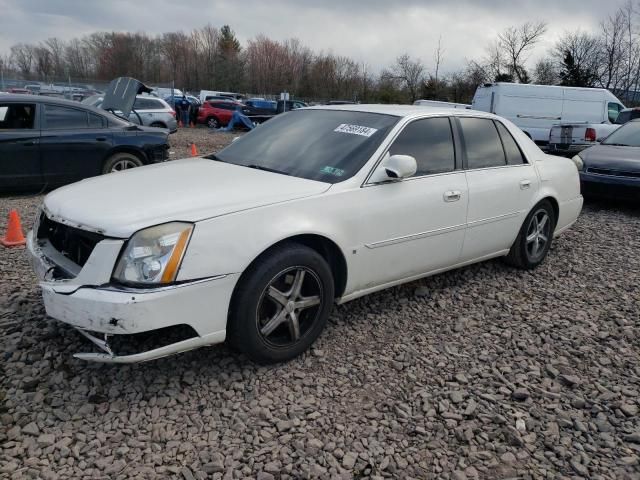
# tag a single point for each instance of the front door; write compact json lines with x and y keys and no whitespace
{"x":19,"y":148}
{"x":414,"y":226}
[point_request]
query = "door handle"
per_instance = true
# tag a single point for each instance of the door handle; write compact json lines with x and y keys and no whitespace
{"x":30,"y":143}
{"x":524,"y":184}
{"x":452,"y":195}
{"x":101,"y":139}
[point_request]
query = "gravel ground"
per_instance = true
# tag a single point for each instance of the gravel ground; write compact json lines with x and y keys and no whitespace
{"x":485,"y":372}
{"x":206,"y":141}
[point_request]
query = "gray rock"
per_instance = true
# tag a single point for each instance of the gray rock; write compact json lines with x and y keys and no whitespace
{"x":520,"y":394}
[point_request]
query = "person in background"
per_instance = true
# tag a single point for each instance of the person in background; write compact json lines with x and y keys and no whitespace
{"x":184,"y":110}
{"x":193,"y":113}
{"x":238,"y":119}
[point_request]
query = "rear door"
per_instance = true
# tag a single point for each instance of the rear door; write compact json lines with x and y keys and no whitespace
{"x":73,"y":144}
{"x":501,"y":184}
{"x":19,"y":146}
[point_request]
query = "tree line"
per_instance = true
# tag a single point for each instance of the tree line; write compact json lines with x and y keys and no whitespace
{"x":213,"y":58}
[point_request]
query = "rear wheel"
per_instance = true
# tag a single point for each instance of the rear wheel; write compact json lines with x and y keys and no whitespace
{"x":120,"y":162}
{"x":534,"y":240}
{"x":281,"y":304}
{"x":212,"y":122}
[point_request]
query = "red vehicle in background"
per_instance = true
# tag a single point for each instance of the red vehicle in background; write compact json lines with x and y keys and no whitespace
{"x":217,"y":113}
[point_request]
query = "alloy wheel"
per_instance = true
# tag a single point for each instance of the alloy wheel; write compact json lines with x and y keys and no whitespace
{"x":538,"y":234}
{"x":289,"y":306}
{"x":124,"y":164}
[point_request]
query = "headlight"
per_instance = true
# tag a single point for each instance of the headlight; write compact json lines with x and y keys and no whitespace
{"x":578,"y":161}
{"x":153,"y":255}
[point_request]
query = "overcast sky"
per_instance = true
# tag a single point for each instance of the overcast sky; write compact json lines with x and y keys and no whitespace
{"x":371,"y":31}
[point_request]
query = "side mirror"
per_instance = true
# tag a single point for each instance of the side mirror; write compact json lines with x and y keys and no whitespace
{"x":394,"y":168}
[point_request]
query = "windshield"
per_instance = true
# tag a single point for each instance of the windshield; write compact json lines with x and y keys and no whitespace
{"x":628,"y":135}
{"x":325,"y":145}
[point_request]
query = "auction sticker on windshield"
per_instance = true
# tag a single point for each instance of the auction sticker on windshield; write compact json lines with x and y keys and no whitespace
{"x":356,"y":130}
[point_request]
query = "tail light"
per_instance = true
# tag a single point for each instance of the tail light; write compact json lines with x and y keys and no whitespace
{"x":173,"y":113}
{"x":590,"y":135}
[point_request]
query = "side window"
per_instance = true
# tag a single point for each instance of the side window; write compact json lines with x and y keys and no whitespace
{"x":144,"y":104}
{"x":96,"y":121}
{"x":614,"y":111}
{"x":430,"y":142}
{"x":483,"y":146}
{"x":59,"y":118}
{"x":511,"y":149}
{"x":17,"y":116}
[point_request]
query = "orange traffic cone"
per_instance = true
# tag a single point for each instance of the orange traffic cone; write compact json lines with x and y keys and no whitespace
{"x":14,"y":236}
{"x":192,"y":125}
{"x":180,"y":125}
{"x":194,"y":150}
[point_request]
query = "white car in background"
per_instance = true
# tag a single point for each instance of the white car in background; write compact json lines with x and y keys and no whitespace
{"x":147,"y":110}
{"x":318,"y":206}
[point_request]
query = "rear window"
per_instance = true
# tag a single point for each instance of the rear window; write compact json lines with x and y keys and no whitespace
{"x":325,"y":145}
{"x":511,"y":149}
{"x":59,"y":118}
{"x":483,"y":145}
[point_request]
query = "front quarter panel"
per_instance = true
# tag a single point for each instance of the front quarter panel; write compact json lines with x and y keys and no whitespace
{"x":229,"y":243}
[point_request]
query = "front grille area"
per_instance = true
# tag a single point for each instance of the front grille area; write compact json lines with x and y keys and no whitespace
{"x":613,"y":173}
{"x":73,"y":243}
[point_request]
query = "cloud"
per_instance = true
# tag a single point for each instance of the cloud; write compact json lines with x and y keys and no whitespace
{"x":374,"y":32}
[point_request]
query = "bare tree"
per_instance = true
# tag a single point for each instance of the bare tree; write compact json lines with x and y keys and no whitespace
{"x":545,"y":72}
{"x":22,"y":56}
{"x":411,"y":73}
{"x":516,"y":42}
{"x":43,"y":61}
{"x":437,"y":58}
{"x":612,"y":50}
{"x":584,"y":50}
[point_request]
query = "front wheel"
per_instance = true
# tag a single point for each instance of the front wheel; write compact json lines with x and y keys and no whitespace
{"x":534,"y":239}
{"x":213,"y":122}
{"x":281,"y":304}
{"x":120,"y":162}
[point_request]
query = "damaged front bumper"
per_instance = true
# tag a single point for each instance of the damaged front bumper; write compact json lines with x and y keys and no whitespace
{"x":99,"y":309}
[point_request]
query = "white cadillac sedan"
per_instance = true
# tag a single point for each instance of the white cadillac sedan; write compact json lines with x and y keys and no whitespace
{"x":318,"y":206}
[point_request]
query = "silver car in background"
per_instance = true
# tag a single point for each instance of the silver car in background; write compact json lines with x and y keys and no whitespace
{"x":148,"y":111}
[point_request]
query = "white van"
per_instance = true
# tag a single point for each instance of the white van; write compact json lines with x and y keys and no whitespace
{"x":439,"y":104}
{"x":536,"y":108}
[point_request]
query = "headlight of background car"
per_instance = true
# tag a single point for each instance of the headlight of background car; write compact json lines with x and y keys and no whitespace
{"x":153,"y":255}
{"x":579,"y":163}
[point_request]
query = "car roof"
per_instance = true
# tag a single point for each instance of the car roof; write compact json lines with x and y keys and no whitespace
{"x":404,"y":110}
{"x":52,"y":101}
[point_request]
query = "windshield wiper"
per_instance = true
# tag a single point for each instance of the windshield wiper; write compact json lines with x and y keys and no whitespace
{"x":267,"y":169}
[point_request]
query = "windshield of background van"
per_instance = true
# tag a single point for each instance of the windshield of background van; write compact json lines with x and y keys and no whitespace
{"x":325,"y":145}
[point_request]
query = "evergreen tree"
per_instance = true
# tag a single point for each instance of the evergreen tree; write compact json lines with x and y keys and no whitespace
{"x":574,"y":75}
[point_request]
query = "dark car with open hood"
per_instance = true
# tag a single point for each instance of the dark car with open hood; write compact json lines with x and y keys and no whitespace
{"x":46,"y":142}
{"x":612,"y":169}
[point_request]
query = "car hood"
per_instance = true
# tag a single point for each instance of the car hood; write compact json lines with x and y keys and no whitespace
{"x":119,"y":204}
{"x":612,"y":157}
{"x":121,"y":95}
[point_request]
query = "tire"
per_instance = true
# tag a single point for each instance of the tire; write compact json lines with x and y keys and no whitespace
{"x":158,"y":125}
{"x":121,"y":161}
{"x":263,"y":316}
{"x":534,"y":239}
{"x":212,"y":122}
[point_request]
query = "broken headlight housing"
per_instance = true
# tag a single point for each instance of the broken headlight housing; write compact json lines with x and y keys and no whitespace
{"x":153,"y":255}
